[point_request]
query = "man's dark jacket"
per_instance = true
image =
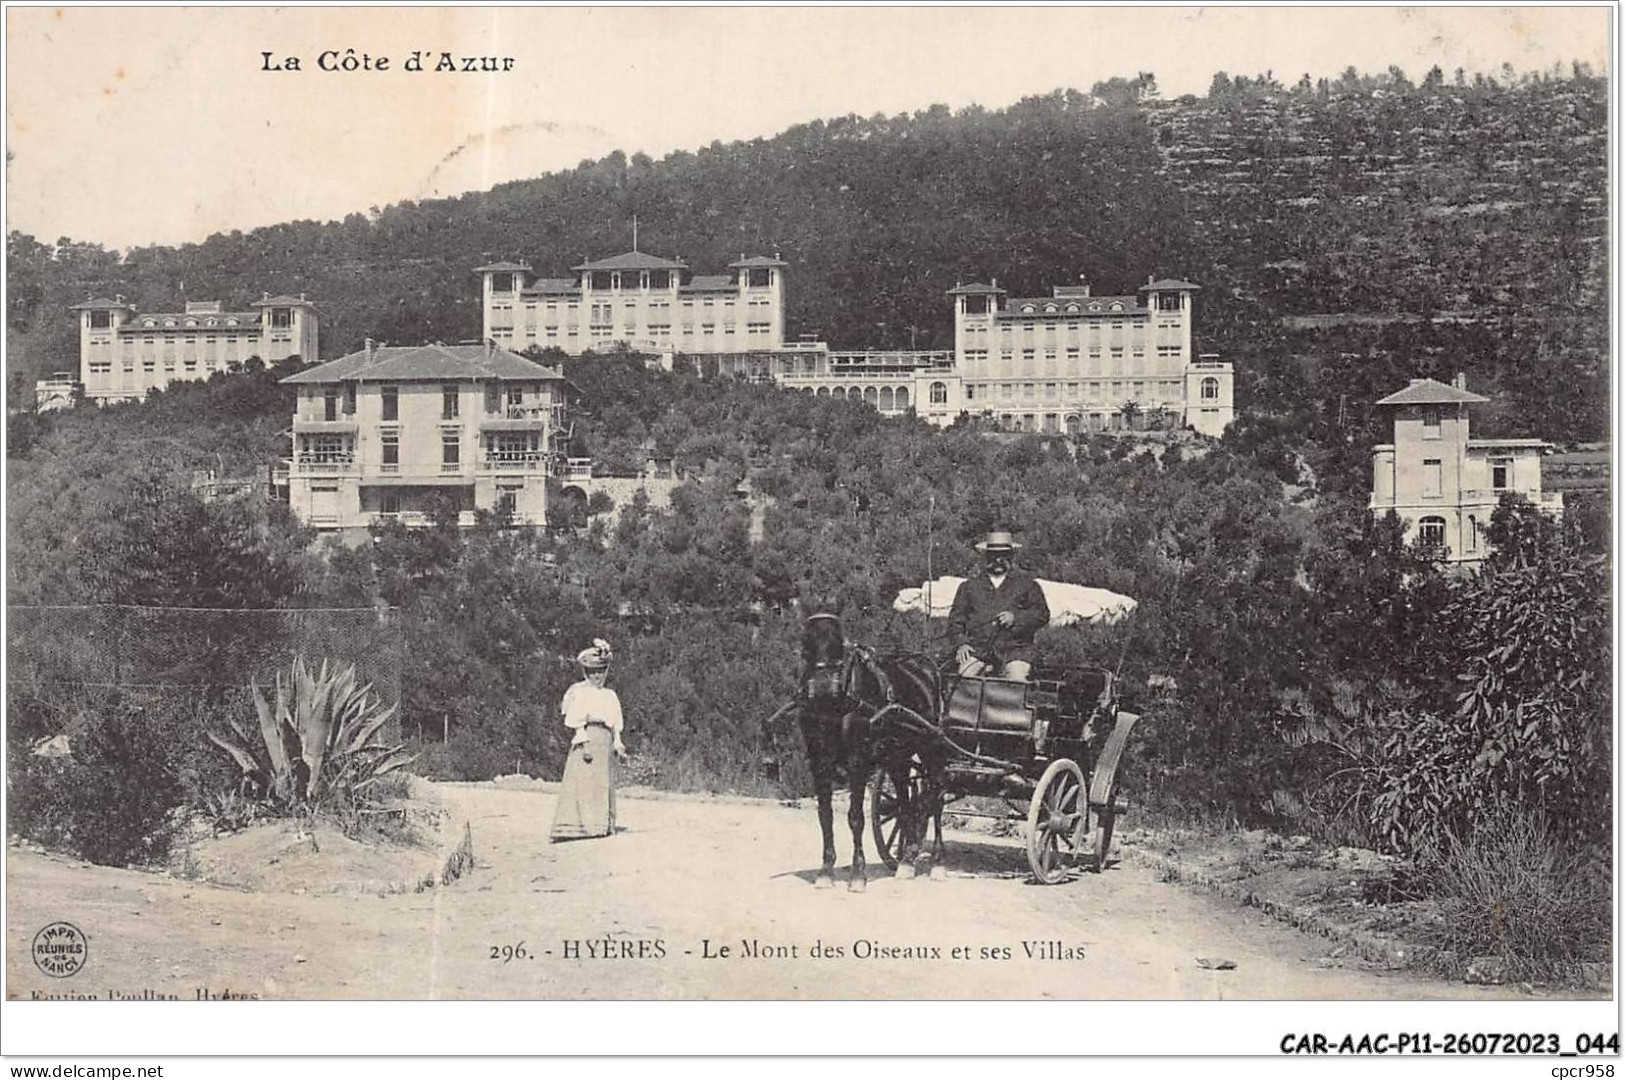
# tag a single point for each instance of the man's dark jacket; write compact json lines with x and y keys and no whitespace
{"x":977,"y":603}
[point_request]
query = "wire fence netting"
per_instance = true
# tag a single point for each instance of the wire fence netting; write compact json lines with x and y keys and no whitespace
{"x":187,"y":651}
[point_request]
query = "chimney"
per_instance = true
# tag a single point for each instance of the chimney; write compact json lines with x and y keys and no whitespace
{"x":1083,"y":280}
{"x":370,"y":347}
{"x":490,"y":348}
{"x":995,"y":282}
{"x":1460,"y":381}
{"x":301,"y":298}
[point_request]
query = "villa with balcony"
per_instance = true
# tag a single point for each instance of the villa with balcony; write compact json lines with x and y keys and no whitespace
{"x":389,"y":433}
{"x":1443,"y":484}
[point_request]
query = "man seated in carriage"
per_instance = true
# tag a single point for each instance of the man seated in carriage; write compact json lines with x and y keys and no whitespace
{"x":996,"y":614}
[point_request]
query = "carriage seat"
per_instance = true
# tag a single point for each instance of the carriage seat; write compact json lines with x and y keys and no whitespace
{"x":990,"y":705}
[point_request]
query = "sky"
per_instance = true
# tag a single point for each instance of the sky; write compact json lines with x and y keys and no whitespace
{"x":161,"y":125}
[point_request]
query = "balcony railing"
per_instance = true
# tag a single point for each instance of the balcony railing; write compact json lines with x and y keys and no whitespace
{"x":577,"y":469}
{"x":515,"y":460}
{"x":324,"y":463}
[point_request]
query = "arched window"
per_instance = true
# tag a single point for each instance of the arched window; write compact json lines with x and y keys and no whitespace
{"x":902,"y":398}
{"x":1073,"y":424}
{"x":886,"y":399}
{"x":823,"y":391}
{"x":939,"y":393}
{"x":1430,"y":531}
{"x":871,"y":396}
{"x":1210,"y":389}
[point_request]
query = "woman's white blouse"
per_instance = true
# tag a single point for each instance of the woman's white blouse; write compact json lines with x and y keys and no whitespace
{"x":585,"y":703}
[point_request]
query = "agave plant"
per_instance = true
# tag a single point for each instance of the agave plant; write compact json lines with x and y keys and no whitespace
{"x":319,"y":745}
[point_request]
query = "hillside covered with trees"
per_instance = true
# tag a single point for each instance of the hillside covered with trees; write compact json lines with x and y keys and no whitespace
{"x":1348,"y":234}
{"x":1298,"y":666}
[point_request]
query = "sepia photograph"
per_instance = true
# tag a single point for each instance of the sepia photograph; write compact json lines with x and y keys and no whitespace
{"x":955,"y":505}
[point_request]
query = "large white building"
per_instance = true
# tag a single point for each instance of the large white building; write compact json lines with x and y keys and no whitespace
{"x":386,"y":432}
{"x":1443,"y":484}
{"x":123,"y":353}
{"x":1076,"y":362}
{"x":640,"y":301}
{"x":1070,"y":362}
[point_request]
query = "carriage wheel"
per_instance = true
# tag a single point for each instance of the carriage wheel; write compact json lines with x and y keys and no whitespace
{"x":1055,"y":821}
{"x":889,"y":805}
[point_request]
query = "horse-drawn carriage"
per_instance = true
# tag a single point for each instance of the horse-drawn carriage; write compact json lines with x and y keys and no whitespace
{"x":915,"y":737}
{"x":1047,"y":748}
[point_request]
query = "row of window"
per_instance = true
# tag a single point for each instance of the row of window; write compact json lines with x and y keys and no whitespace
{"x":1430,"y":532}
{"x":605,"y":331}
{"x":633,"y":305}
{"x":171,"y":340}
{"x":1073,"y":329}
{"x":1169,"y":390}
{"x":499,"y":398}
{"x":1072,"y":352}
{"x":1433,"y":476}
{"x":281,"y":318}
{"x":501,"y":449}
{"x":601,"y":313}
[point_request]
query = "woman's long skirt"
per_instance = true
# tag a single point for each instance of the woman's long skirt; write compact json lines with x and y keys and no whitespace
{"x":586,"y":805}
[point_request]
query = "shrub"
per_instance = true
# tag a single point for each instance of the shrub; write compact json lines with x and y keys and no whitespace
{"x":318,"y":750}
{"x":112,"y":800}
{"x":1512,"y":889}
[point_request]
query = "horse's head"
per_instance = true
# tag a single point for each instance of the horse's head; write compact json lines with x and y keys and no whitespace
{"x":823,"y":658}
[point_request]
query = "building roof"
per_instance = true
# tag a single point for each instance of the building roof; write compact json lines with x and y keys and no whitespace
{"x":282,"y":301}
{"x":499,"y":266}
{"x":710,"y":283}
{"x":1170,"y":283}
{"x":632,"y":260}
{"x":1086,"y":305}
{"x":757,"y":260}
{"x":409,"y":362}
{"x":975,"y":288}
{"x":103,"y":304}
{"x":201,"y":320}
{"x":1431,"y":392}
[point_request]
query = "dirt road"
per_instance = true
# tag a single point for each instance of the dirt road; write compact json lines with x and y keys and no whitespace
{"x":694,"y":899}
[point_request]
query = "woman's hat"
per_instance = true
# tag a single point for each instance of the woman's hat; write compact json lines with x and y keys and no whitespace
{"x":596,"y":656}
{"x":998,"y":540}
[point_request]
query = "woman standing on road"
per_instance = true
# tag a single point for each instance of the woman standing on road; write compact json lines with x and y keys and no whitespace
{"x":586,"y":805}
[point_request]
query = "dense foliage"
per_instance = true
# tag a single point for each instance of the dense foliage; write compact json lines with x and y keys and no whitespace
{"x":1309,"y":669}
{"x":1313,"y":670}
{"x":1348,"y":234}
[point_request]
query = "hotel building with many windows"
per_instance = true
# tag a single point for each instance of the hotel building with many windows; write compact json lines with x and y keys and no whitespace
{"x":389,"y":432}
{"x":639,"y":301}
{"x":1067,"y":363}
{"x":1070,"y":362}
{"x":1077,"y":362}
{"x":123,"y":353}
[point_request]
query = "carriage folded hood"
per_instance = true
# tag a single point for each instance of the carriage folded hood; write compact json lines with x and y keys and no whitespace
{"x":1068,"y":603}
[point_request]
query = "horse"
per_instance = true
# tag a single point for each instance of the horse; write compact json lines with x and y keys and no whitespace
{"x":858,"y":708}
